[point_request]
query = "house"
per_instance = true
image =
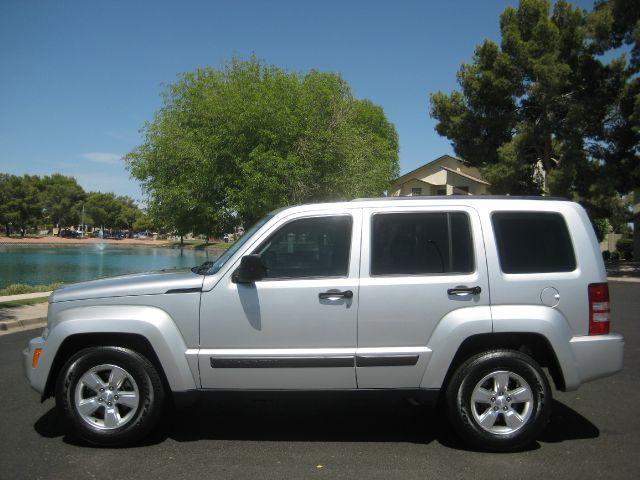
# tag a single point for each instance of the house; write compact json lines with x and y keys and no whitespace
{"x":445,"y":175}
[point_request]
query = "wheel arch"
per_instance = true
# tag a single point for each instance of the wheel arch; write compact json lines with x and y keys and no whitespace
{"x":535,"y":345}
{"x":77,"y":342}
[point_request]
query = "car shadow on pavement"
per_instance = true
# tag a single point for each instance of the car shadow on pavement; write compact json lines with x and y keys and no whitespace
{"x":358,"y":420}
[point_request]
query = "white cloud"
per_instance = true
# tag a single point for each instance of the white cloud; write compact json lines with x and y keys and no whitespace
{"x":102,"y":157}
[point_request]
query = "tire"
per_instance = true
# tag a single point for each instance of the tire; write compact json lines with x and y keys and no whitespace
{"x":499,"y":401}
{"x":109,"y":396}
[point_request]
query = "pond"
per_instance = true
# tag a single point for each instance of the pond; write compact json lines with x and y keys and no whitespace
{"x":35,"y":265}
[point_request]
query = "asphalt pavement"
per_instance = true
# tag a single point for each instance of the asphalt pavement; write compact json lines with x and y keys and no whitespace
{"x":594,"y":433}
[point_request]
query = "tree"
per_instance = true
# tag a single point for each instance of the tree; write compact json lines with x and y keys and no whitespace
{"x":536,"y":103}
{"x":614,"y":24}
{"x":58,"y":197}
{"x":20,"y":205}
{"x":230,"y":145}
{"x":102,"y":209}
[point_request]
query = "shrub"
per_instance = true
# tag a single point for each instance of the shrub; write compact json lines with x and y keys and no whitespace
{"x":615,"y":256}
{"x":606,"y":255}
{"x":625,"y":247}
{"x":20,"y":288}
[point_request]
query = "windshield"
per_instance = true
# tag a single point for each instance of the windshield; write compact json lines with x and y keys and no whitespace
{"x":222,"y":259}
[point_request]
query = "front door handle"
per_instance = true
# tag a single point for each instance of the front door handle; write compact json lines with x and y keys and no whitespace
{"x":335,"y":294}
{"x":464,"y":291}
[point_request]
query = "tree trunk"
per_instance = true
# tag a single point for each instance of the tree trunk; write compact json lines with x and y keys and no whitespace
{"x":181,"y":240}
{"x":546,"y":154}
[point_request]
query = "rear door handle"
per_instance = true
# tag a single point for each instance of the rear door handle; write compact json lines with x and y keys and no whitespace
{"x":464,"y":291}
{"x":335,"y":294}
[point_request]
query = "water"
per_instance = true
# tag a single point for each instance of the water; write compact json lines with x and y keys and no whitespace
{"x":42,"y":265}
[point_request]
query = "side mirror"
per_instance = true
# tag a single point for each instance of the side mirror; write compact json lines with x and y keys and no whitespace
{"x":250,"y":270}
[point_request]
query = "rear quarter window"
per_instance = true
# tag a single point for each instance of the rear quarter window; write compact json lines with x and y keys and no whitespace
{"x":533,"y":242}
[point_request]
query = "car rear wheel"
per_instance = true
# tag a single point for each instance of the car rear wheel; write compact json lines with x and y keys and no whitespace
{"x":499,"y":400}
{"x":109,"y":395}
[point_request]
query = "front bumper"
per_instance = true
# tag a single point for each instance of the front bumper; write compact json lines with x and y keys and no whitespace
{"x":597,"y":356}
{"x":37,"y":377}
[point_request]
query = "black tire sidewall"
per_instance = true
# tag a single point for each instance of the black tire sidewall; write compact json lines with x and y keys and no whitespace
{"x":146,"y":378}
{"x":465,"y":380}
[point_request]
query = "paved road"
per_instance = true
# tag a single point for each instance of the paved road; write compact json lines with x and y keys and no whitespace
{"x":594,"y":433}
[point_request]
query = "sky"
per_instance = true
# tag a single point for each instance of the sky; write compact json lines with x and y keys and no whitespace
{"x":79,"y":79}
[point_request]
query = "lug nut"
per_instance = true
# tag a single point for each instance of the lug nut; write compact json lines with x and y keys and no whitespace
{"x":102,"y":389}
{"x":109,"y":404}
{"x":495,"y":409}
{"x":116,"y":397}
{"x":493,"y":399}
{"x":505,"y":408}
{"x":110,"y":387}
{"x":508,"y":399}
{"x":100,"y":399}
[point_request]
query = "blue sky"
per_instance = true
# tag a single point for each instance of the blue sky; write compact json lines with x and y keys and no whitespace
{"x":78,"y":79}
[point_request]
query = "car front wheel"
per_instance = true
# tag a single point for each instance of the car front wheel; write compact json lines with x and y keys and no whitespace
{"x":109,"y":395}
{"x":499,"y":400}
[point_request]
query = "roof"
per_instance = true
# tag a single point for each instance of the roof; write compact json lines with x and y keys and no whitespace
{"x":421,"y":181}
{"x":466,"y":175}
{"x":401,"y":177}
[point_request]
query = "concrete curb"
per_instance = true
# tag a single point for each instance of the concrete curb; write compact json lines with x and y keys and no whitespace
{"x":24,"y":296}
{"x":624,"y":279}
{"x":7,"y":325}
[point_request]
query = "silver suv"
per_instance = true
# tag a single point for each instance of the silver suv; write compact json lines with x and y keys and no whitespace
{"x":459,"y":299}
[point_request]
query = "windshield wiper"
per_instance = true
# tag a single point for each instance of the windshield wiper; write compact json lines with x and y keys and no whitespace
{"x":202,"y":269}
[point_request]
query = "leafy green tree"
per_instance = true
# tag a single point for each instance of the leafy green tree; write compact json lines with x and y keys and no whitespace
{"x":60,"y":194}
{"x":102,"y":209}
{"x":536,"y":103}
{"x":20,"y":202}
{"x":230,"y":145}
{"x":614,"y":24}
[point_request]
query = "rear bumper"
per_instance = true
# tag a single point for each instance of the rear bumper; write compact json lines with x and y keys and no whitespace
{"x":597,"y":356}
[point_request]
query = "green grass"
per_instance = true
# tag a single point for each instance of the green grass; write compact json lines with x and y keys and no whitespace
{"x":20,"y":288}
{"x":21,"y":303}
{"x":197,"y":244}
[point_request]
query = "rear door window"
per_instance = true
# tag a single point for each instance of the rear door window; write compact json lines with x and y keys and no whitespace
{"x":533,"y":242}
{"x":425,"y":243}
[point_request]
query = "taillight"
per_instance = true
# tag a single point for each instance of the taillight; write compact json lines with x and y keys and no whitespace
{"x":598,"y":308}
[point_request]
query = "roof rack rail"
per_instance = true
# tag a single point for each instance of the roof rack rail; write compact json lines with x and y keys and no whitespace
{"x":475,"y":197}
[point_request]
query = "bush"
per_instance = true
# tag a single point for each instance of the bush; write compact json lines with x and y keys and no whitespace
{"x":615,"y":256}
{"x":625,"y":247}
{"x":606,"y":255}
{"x":20,"y":288}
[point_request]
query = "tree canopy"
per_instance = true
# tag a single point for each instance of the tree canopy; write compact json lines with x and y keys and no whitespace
{"x":29,"y":201}
{"x":230,"y":145}
{"x":544,"y":101}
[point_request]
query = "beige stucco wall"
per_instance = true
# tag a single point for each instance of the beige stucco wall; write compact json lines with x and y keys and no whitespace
{"x":439,"y":179}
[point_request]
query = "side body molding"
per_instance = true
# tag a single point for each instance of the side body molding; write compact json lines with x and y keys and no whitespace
{"x":150,"y":322}
{"x":451,"y":331}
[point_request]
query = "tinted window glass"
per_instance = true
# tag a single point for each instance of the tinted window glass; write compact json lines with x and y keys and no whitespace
{"x":309,"y":247}
{"x":533,"y":242}
{"x":421,"y":243}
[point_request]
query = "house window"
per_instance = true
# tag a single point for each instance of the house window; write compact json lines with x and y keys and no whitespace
{"x":415,"y":192}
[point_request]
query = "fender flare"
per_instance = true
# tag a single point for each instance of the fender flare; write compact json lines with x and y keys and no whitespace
{"x":545,"y":321}
{"x":152,"y":323}
{"x":453,"y":329}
